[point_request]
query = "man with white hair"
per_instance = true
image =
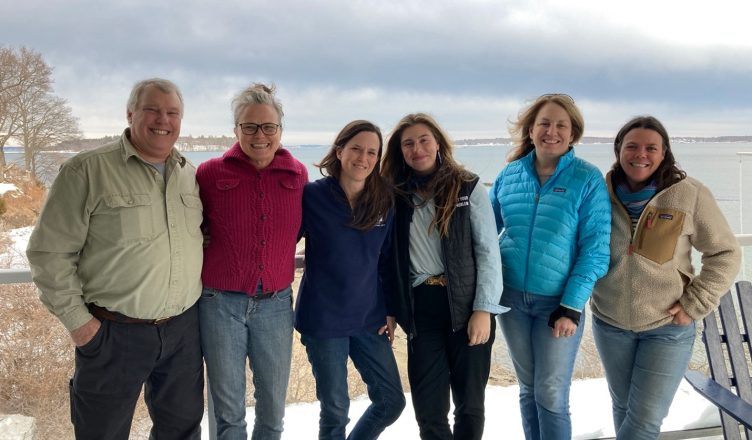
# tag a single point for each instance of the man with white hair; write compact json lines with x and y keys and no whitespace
{"x":116,"y":255}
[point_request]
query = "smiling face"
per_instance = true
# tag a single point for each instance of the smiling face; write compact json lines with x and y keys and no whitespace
{"x":419,"y":148}
{"x":551,"y":132}
{"x":641,"y":154}
{"x":359,"y":157}
{"x":155,"y":124}
{"x":259,"y":147}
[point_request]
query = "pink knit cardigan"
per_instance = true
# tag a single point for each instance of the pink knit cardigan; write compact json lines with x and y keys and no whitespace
{"x":252,"y":218}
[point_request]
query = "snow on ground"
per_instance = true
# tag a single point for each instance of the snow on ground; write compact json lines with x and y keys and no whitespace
{"x":6,"y":187}
{"x":15,"y":257}
{"x":589,"y":400}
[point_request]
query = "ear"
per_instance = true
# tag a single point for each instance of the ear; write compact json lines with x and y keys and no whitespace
{"x":338,"y":152}
{"x":237,"y":135}
{"x":129,"y":116}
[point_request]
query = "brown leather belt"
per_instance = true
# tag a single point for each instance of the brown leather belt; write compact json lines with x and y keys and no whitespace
{"x":436,"y":280}
{"x":102,"y":314}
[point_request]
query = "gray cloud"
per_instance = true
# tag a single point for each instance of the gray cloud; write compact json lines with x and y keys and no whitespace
{"x":472,"y":64}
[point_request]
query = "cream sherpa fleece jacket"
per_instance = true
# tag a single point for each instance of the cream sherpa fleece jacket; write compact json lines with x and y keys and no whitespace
{"x":652,"y":269}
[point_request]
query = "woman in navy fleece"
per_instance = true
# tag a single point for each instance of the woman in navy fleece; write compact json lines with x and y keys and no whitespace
{"x":341,"y":310}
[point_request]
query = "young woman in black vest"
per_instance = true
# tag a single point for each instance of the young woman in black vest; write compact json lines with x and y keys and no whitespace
{"x":444,"y":280}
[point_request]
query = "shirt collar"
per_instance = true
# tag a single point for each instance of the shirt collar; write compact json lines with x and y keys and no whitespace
{"x":130,"y":151}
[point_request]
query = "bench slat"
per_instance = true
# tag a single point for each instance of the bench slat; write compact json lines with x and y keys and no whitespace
{"x":729,"y":368}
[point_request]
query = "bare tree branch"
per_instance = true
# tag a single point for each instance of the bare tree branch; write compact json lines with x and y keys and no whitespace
{"x":22,"y":72}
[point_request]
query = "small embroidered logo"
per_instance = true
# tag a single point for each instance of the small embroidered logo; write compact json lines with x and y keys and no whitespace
{"x":462,"y":201}
{"x":665,"y":216}
{"x":560,"y":190}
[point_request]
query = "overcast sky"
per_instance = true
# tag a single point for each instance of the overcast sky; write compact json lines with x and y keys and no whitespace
{"x":473,"y":64}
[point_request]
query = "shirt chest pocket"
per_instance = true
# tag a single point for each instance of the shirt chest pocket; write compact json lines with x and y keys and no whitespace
{"x":658,"y":234}
{"x":126,"y":217}
{"x":193,"y":213}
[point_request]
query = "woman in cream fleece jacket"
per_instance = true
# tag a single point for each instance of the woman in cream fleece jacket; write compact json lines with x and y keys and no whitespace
{"x":646,"y":306}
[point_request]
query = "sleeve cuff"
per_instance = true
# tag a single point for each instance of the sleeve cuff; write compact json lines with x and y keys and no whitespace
{"x":564,"y":312}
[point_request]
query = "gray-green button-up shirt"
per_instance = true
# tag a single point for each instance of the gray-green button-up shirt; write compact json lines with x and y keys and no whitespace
{"x":116,"y":233}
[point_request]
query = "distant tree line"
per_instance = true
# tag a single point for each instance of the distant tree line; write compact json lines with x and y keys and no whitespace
{"x":30,"y":112}
{"x":610,"y":140}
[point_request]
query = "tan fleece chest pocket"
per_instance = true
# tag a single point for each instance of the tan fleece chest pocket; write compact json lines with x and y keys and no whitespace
{"x":658,"y":232}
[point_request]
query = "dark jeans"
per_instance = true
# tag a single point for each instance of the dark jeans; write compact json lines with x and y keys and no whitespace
{"x":112,"y":368}
{"x":372,"y":356}
{"x":439,"y":360}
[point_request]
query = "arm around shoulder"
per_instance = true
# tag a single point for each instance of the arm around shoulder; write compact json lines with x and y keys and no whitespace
{"x":593,"y":245}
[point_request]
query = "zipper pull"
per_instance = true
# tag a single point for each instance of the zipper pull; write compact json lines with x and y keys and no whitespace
{"x":537,"y":197}
{"x":649,"y":221}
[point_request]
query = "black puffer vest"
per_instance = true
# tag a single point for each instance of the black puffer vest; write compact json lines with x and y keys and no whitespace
{"x":459,"y":264}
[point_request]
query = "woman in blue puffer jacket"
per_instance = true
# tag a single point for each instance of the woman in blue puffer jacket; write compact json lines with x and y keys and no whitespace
{"x":554,"y":216}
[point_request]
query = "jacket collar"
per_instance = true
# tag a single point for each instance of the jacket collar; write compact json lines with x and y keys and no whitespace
{"x":564,"y":161}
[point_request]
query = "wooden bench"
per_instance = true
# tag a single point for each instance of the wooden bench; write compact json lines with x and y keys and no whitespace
{"x":728,"y":348}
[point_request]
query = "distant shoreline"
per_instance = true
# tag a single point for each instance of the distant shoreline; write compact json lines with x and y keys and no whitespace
{"x":223,"y":143}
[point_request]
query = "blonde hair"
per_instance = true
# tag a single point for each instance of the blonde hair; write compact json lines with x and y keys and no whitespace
{"x":520,"y":129}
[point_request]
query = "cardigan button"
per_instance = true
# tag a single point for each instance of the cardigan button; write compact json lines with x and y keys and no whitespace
{"x":261,"y":266}
{"x":261,"y":195}
{"x":263,"y":242}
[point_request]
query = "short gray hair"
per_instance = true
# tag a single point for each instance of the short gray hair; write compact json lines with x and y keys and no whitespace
{"x":164,"y":86}
{"x":257,"y":93}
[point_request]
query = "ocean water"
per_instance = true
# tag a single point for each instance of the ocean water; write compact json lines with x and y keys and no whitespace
{"x":717,"y":165}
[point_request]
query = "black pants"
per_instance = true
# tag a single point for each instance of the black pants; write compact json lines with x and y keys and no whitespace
{"x":112,"y":368}
{"x":439,"y":360}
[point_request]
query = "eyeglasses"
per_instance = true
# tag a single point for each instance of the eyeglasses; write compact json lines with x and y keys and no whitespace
{"x":267,"y":128}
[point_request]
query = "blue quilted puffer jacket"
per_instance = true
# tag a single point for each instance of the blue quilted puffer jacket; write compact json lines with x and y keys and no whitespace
{"x":554,"y":239}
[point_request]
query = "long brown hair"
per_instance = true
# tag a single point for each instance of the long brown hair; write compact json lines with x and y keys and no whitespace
{"x":520,"y":129}
{"x":375,"y":200}
{"x":668,"y":172}
{"x":445,"y":183}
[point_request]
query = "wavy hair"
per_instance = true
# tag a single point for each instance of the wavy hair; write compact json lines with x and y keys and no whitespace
{"x":376,"y":199}
{"x":668,"y":172}
{"x":520,"y":129}
{"x":446,"y":182}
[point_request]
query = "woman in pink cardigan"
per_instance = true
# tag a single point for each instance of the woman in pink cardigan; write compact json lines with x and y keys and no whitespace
{"x":252,"y":212}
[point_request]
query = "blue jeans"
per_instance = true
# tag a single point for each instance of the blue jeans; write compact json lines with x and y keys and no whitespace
{"x":234,"y":327}
{"x":373,"y":358}
{"x":544,"y":364}
{"x":643,"y":370}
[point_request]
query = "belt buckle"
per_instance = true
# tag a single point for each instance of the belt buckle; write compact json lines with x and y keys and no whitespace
{"x":160,"y":321}
{"x":436,"y":280}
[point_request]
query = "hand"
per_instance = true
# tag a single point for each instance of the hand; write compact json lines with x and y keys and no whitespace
{"x":391,"y":324}
{"x":564,"y":327}
{"x":680,"y":316}
{"x":82,"y":335}
{"x":479,"y":328}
